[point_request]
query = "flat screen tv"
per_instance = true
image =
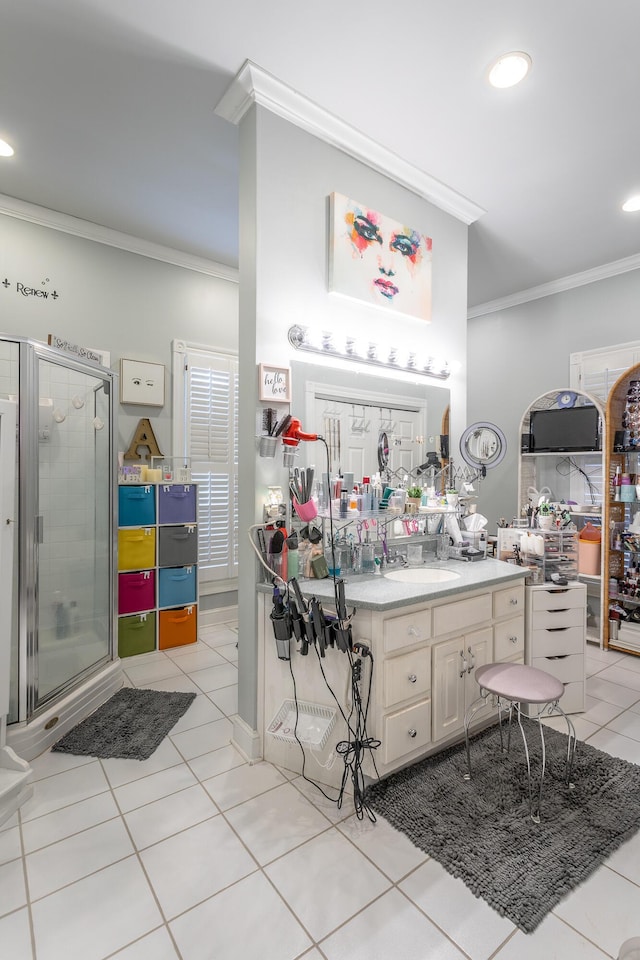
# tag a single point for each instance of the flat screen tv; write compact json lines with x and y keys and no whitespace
{"x":564,"y":430}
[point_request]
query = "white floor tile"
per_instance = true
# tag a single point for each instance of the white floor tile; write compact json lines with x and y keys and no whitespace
{"x":64,"y":788}
{"x":52,"y":762}
{"x":226,"y":699}
{"x":626,"y":723}
{"x":229,"y":651}
{"x":622,"y":675}
{"x":217,"y":636}
{"x":617,"y":745}
{"x":248,"y":921}
{"x":391,"y":927}
{"x":96,"y":916}
{"x":195,"y":864}
{"x":326,"y":881}
{"x":155,"y":946}
{"x":190,"y":659}
{"x":141,"y":674}
{"x":470,"y":922}
{"x":213,"y":678}
{"x":600,"y":712}
{"x":125,"y":771}
{"x":582,"y":727}
{"x":13,"y":892}
{"x":9,"y":824}
{"x":242,"y":783}
{"x":390,"y":850}
{"x":75,"y":857}
{"x":180,"y":683}
{"x":161,"y":819}
{"x":69,"y":820}
{"x":202,"y":710}
{"x":15,"y":935}
{"x":203,"y":739}
{"x":275,"y":822}
{"x":327,"y":804}
{"x":153,"y":787}
{"x":611,"y":692}
{"x":604,"y":909}
{"x":552,"y":940}
{"x":211,"y":764}
{"x":10,"y":847}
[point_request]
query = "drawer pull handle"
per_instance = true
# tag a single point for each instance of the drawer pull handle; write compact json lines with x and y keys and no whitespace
{"x":560,"y":610}
{"x":513,"y":601}
{"x":513,"y":639}
{"x":412,"y":678}
{"x":413,"y":733}
{"x":413,"y":632}
{"x":465,"y":666}
{"x":473,"y":661}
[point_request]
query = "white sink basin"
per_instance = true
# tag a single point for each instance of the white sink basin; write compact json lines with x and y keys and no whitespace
{"x":422,"y":575}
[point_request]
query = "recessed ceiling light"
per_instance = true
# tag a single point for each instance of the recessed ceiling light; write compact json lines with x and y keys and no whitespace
{"x":509,"y":69}
{"x":632,"y":205}
{"x":6,"y":150}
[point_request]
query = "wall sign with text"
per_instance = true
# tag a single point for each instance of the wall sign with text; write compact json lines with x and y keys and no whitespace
{"x":274,"y":383}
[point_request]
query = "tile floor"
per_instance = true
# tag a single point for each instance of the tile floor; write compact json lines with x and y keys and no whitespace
{"x":194,"y":854}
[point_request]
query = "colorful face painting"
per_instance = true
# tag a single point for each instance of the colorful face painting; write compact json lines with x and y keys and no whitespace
{"x":379,"y":260}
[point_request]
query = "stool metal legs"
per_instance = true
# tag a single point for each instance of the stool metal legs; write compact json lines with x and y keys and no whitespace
{"x":548,"y":709}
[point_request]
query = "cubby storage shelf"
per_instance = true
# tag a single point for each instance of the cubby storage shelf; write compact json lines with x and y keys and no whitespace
{"x":157,"y":567}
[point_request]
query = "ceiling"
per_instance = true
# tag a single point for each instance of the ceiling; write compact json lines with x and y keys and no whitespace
{"x":109,"y":105}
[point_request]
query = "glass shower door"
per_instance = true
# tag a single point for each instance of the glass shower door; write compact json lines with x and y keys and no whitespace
{"x":73,"y":527}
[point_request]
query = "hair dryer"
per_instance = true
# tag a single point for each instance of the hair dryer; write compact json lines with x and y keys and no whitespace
{"x":291,"y":437}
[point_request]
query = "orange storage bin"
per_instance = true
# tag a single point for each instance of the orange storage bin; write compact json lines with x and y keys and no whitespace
{"x":136,"y":548}
{"x":177,"y":627}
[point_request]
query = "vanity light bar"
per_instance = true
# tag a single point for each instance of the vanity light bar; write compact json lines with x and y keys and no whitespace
{"x":299,"y":339}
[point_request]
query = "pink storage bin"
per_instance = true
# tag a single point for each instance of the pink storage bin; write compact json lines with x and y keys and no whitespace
{"x":136,"y":591}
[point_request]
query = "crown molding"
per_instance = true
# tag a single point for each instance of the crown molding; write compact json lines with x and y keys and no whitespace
{"x":43,"y":217}
{"x":252,"y":85}
{"x":603,"y":272}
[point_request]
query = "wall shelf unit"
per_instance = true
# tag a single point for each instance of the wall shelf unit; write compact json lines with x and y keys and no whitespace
{"x":579,"y":476}
{"x":157,"y":567}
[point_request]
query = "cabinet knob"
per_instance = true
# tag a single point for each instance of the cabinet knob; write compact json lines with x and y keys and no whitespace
{"x":412,"y":678}
{"x":413,"y":632}
{"x":413,"y":733}
{"x":513,"y":601}
{"x":513,"y":639}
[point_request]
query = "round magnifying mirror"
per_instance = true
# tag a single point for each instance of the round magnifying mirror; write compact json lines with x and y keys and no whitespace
{"x":483,"y":445}
{"x":383,"y":451}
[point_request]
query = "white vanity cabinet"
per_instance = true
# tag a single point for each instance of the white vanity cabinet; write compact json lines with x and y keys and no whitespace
{"x":424,"y":659}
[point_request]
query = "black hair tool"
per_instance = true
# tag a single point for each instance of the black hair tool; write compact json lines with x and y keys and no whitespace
{"x":284,"y":424}
{"x":305,"y":627}
{"x":342,"y":626}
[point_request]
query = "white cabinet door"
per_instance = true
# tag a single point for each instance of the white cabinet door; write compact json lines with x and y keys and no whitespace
{"x":453,"y":685}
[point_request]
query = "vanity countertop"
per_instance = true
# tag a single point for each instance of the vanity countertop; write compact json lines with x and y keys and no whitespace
{"x":380,"y":593}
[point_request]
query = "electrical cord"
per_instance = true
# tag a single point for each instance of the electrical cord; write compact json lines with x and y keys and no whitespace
{"x":574,"y":466}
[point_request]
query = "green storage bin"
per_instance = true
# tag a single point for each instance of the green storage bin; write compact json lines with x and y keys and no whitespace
{"x":136,"y":634}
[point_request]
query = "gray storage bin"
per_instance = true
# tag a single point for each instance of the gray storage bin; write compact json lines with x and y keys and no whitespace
{"x":177,"y":546}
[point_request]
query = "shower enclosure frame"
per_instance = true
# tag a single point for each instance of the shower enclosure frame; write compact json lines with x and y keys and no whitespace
{"x":40,"y":719}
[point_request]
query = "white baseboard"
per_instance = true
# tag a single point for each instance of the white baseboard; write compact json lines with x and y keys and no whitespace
{"x":246,"y":740}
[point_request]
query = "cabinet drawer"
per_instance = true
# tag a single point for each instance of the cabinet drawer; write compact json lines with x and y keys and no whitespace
{"x":557,"y":598}
{"x":545,"y":643}
{"x":555,"y":619}
{"x":457,"y":616}
{"x":565,"y":668}
{"x":404,"y":631}
{"x":406,"y":731}
{"x":510,"y":601}
{"x":407,"y":676}
{"x":508,"y":639}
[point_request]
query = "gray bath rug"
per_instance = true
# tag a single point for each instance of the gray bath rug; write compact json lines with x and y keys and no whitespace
{"x":481,"y":832}
{"x":130,"y":725}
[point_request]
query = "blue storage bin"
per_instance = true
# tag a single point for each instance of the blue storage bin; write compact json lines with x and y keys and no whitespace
{"x":177,"y":503}
{"x":177,"y":546}
{"x":177,"y":586}
{"x":136,"y":506}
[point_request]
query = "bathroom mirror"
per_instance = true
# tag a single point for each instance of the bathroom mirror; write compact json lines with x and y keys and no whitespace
{"x":483,"y":445}
{"x":365,"y":417}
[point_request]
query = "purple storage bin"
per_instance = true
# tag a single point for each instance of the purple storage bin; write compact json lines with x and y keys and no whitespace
{"x":136,"y":591}
{"x":177,"y":503}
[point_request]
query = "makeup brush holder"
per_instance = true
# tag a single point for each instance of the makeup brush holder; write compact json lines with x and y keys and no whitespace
{"x":306,"y":511}
{"x":268,"y":446}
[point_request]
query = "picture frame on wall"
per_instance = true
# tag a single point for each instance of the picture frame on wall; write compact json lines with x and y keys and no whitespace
{"x":141,"y":383}
{"x":274,"y":383}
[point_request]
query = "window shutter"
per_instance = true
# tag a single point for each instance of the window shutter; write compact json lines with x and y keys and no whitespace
{"x":596,"y":371}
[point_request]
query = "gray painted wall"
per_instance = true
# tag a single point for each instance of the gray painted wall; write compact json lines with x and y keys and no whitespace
{"x":517,"y":354}
{"x":286,"y":178}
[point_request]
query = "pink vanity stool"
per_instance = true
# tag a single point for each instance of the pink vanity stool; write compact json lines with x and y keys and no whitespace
{"x":515,"y":685}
